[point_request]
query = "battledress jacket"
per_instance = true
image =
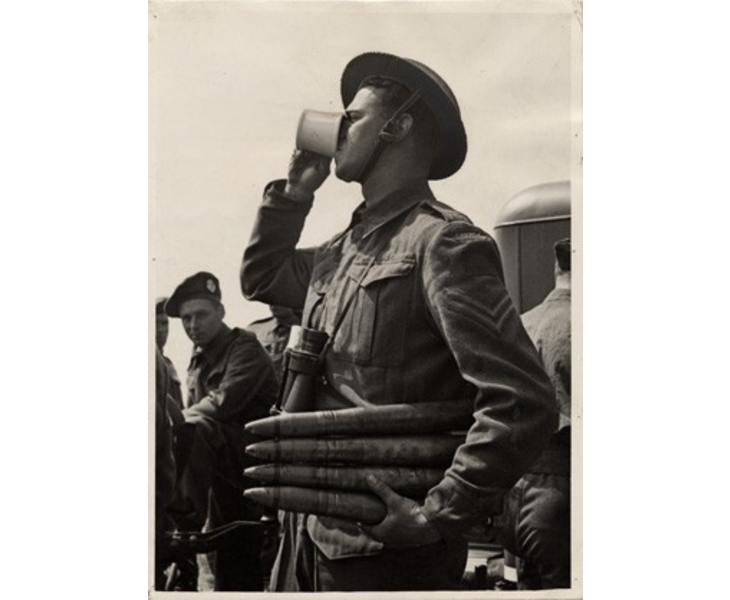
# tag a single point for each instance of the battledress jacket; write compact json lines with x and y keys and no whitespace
{"x":548,"y":325}
{"x":232,"y":382}
{"x":429,"y":320}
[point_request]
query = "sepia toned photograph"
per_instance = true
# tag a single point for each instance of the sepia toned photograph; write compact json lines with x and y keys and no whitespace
{"x":365,"y":252}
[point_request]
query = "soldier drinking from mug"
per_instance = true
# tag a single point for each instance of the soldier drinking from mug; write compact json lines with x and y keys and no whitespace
{"x":412,"y":296}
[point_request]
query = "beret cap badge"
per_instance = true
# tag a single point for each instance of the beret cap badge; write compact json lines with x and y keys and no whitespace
{"x":202,"y":285}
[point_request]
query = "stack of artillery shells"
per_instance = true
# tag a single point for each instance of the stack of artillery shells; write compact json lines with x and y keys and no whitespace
{"x":317,"y":462}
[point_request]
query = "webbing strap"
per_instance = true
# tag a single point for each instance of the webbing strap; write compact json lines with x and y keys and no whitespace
{"x":380,"y":145}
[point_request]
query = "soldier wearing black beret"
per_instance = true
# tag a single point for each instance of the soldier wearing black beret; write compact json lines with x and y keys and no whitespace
{"x":231,"y":381}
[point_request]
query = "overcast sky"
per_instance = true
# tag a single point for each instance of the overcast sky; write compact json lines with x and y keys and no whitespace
{"x":228,"y":82}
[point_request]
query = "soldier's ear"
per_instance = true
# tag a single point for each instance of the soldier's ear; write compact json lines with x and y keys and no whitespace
{"x":396,"y":130}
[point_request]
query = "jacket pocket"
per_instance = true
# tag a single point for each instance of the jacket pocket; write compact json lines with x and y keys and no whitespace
{"x":373,"y":333}
{"x":319,"y":284}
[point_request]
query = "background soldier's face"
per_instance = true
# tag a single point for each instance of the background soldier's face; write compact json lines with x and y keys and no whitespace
{"x":162,"y":329}
{"x":201,"y":319}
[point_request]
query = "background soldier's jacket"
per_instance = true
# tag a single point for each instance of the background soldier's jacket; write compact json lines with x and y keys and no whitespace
{"x":431,"y":320}
{"x":274,"y":338}
{"x":548,"y":325}
{"x":232,"y":379}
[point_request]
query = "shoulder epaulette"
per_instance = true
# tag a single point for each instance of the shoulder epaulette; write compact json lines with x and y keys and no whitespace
{"x":444,"y":211}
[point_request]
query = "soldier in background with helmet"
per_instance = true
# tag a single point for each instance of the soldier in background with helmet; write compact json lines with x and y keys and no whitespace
{"x":162,"y":330}
{"x":537,"y":509}
{"x":412,"y":297}
{"x":273,"y":332}
{"x":231,"y":381}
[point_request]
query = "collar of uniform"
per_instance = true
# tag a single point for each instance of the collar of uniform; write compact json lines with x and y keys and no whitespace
{"x":393,"y":205}
{"x":213,"y":350}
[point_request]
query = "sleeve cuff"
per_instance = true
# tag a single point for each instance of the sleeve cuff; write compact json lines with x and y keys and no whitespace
{"x":275,"y":189}
{"x":453,"y":509}
{"x":205,"y":408}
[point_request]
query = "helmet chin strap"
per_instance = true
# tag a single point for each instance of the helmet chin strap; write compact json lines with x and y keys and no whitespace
{"x":384,"y":134}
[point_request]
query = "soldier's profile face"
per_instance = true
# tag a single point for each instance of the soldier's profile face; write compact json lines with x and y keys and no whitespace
{"x":201,"y":319}
{"x":364,"y":118}
{"x":162,"y":329}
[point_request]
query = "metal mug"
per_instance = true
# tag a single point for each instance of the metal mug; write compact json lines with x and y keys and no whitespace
{"x":319,"y":132}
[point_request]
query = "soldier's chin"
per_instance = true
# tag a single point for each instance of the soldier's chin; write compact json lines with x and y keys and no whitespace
{"x":343,"y":173}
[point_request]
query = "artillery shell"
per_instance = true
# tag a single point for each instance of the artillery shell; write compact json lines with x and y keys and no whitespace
{"x":387,"y":419}
{"x":411,"y":481}
{"x":426,"y":450}
{"x":353,"y":506}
